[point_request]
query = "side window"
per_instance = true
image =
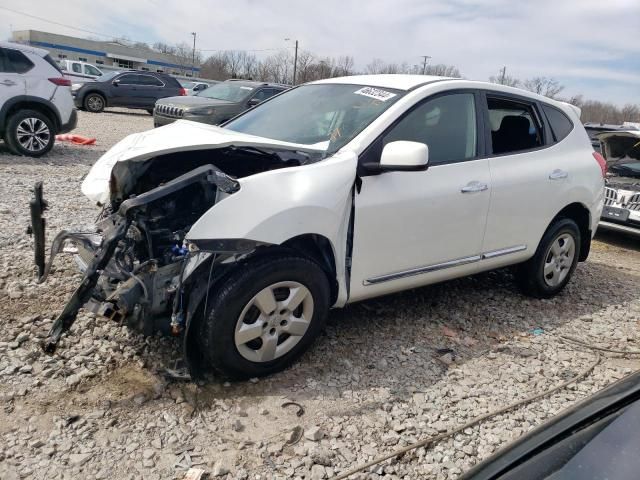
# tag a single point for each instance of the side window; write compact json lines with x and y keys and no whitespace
{"x":76,"y":67}
{"x":447,"y":124}
{"x":129,"y":79}
{"x":261,"y":95}
{"x":514,"y":125}
{"x":560,"y":124}
{"x":4,"y":62}
{"x":91,"y":70}
{"x":148,"y":80}
{"x":18,"y":61}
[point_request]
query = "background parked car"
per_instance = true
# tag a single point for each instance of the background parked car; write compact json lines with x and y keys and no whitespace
{"x":593,"y":129}
{"x":131,"y":89}
{"x":79,"y":72}
{"x":35,"y":100}
{"x":194,"y":87}
{"x":216,"y":104}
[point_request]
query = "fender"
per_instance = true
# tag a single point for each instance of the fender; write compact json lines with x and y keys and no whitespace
{"x":28,"y":99}
{"x":274,"y":206}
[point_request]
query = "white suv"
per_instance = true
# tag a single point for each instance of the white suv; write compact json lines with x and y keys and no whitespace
{"x":241,"y":238}
{"x":35,"y":100}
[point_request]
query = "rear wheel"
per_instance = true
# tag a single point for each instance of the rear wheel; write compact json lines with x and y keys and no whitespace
{"x":29,"y":133}
{"x":555,"y":260}
{"x":94,"y":102}
{"x":264,"y":316}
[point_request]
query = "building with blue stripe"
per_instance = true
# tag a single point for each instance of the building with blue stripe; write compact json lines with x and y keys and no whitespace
{"x":108,"y":54}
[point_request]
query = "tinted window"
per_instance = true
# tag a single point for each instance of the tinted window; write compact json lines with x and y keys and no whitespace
{"x":447,"y":124}
{"x":18,"y":61}
{"x":514,"y":126}
{"x":52,"y":62}
{"x":150,"y":81}
{"x":558,"y":121}
{"x":265,"y":93}
{"x":129,"y":79}
{"x":76,"y":67}
{"x":4,"y":63}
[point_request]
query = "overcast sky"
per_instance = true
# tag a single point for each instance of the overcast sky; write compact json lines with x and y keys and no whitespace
{"x":591,"y":46}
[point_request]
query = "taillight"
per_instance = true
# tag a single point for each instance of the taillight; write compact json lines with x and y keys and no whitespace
{"x":602,"y":162}
{"x":183,"y":92}
{"x":61,"y":82}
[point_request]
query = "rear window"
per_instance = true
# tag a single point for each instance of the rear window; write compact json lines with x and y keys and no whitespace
{"x":18,"y":61}
{"x":52,"y":62}
{"x":560,"y":124}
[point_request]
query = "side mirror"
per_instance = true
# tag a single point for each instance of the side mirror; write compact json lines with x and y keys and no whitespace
{"x":116,"y":82}
{"x":253,"y":102}
{"x":402,"y":155}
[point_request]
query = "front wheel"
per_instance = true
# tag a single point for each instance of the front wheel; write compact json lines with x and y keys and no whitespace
{"x":548,"y":272}
{"x":264,"y":315}
{"x":94,"y":103}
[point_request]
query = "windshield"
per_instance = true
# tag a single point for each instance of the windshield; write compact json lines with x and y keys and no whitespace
{"x":623,"y":155}
{"x":107,"y":76}
{"x":231,"y":92}
{"x":323,"y":115}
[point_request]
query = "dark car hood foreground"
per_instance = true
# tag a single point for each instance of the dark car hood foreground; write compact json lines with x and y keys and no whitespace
{"x":191,"y":101}
{"x":597,"y":439}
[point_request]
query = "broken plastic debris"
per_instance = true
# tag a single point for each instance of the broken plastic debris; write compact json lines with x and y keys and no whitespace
{"x":75,"y":139}
{"x":537,"y":331}
{"x":194,"y":474}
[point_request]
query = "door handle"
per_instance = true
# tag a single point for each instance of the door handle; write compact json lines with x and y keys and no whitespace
{"x":474,"y":187}
{"x":8,"y":83}
{"x":558,"y":174}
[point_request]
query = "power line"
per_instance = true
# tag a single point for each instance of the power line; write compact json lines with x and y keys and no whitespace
{"x":115,"y":36}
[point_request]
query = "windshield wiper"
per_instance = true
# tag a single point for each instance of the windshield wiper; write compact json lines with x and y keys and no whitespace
{"x":252,"y":149}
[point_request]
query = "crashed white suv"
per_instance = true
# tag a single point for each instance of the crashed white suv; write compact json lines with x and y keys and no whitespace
{"x":241,"y":238}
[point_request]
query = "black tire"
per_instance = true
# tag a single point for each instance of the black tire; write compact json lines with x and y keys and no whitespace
{"x":94,"y":102}
{"x":531,"y":276}
{"x":228,"y":299}
{"x":31,"y":144}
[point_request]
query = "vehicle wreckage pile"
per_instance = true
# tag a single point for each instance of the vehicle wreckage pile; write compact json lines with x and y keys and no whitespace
{"x":385,"y":373}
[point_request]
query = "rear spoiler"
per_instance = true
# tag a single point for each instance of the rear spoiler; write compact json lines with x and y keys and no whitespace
{"x":575,"y":109}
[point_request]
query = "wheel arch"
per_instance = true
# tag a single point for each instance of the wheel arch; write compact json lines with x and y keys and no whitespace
{"x":28,"y":102}
{"x":99,"y":92}
{"x":580,"y":214}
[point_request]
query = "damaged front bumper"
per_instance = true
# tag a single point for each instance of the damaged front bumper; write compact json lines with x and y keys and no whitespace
{"x":135,"y":263}
{"x":621,"y":211}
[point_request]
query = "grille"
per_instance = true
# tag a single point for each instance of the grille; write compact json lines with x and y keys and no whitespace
{"x":633,"y":203}
{"x":610,"y":196}
{"x":169,"y":111}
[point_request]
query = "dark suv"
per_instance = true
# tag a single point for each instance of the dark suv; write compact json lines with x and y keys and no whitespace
{"x":215,"y":104}
{"x":131,"y":89}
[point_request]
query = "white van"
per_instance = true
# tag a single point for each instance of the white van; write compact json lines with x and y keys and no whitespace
{"x":79,"y":72}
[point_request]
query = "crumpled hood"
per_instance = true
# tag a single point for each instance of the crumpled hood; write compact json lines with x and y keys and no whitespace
{"x":181,"y":135}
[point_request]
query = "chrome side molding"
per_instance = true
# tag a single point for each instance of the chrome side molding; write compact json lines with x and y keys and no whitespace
{"x":441,"y":266}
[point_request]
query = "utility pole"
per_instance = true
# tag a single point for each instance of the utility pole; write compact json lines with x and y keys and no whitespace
{"x":504,"y":74}
{"x":424,"y":65}
{"x":295,"y":60}
{"x":193,"y":56}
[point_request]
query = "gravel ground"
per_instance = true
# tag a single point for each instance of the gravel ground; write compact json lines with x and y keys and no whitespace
{"x":375,"y":381}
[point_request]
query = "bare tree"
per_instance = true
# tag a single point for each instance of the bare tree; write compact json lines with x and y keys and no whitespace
{"x":442,"y":70}
{"x":549,"y":87}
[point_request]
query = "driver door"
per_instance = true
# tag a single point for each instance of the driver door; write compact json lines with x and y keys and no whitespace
{"x":412,"y":228}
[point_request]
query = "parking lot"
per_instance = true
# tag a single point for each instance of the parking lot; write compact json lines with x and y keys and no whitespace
{"x":385,"y":373}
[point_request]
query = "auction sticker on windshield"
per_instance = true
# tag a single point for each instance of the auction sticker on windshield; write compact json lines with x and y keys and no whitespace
{"x":375,"y":93}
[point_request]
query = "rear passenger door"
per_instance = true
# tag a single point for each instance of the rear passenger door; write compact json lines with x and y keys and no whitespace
{"x":12,"y":83}
{"x":527,"y":177}
{"x":150,"y":90}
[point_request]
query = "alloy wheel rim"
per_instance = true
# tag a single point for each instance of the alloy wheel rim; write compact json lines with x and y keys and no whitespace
{"x":94,"y":102}
{"x":33,"y":134}
{"x":559,"y":260}
{"x":274,"y":321}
